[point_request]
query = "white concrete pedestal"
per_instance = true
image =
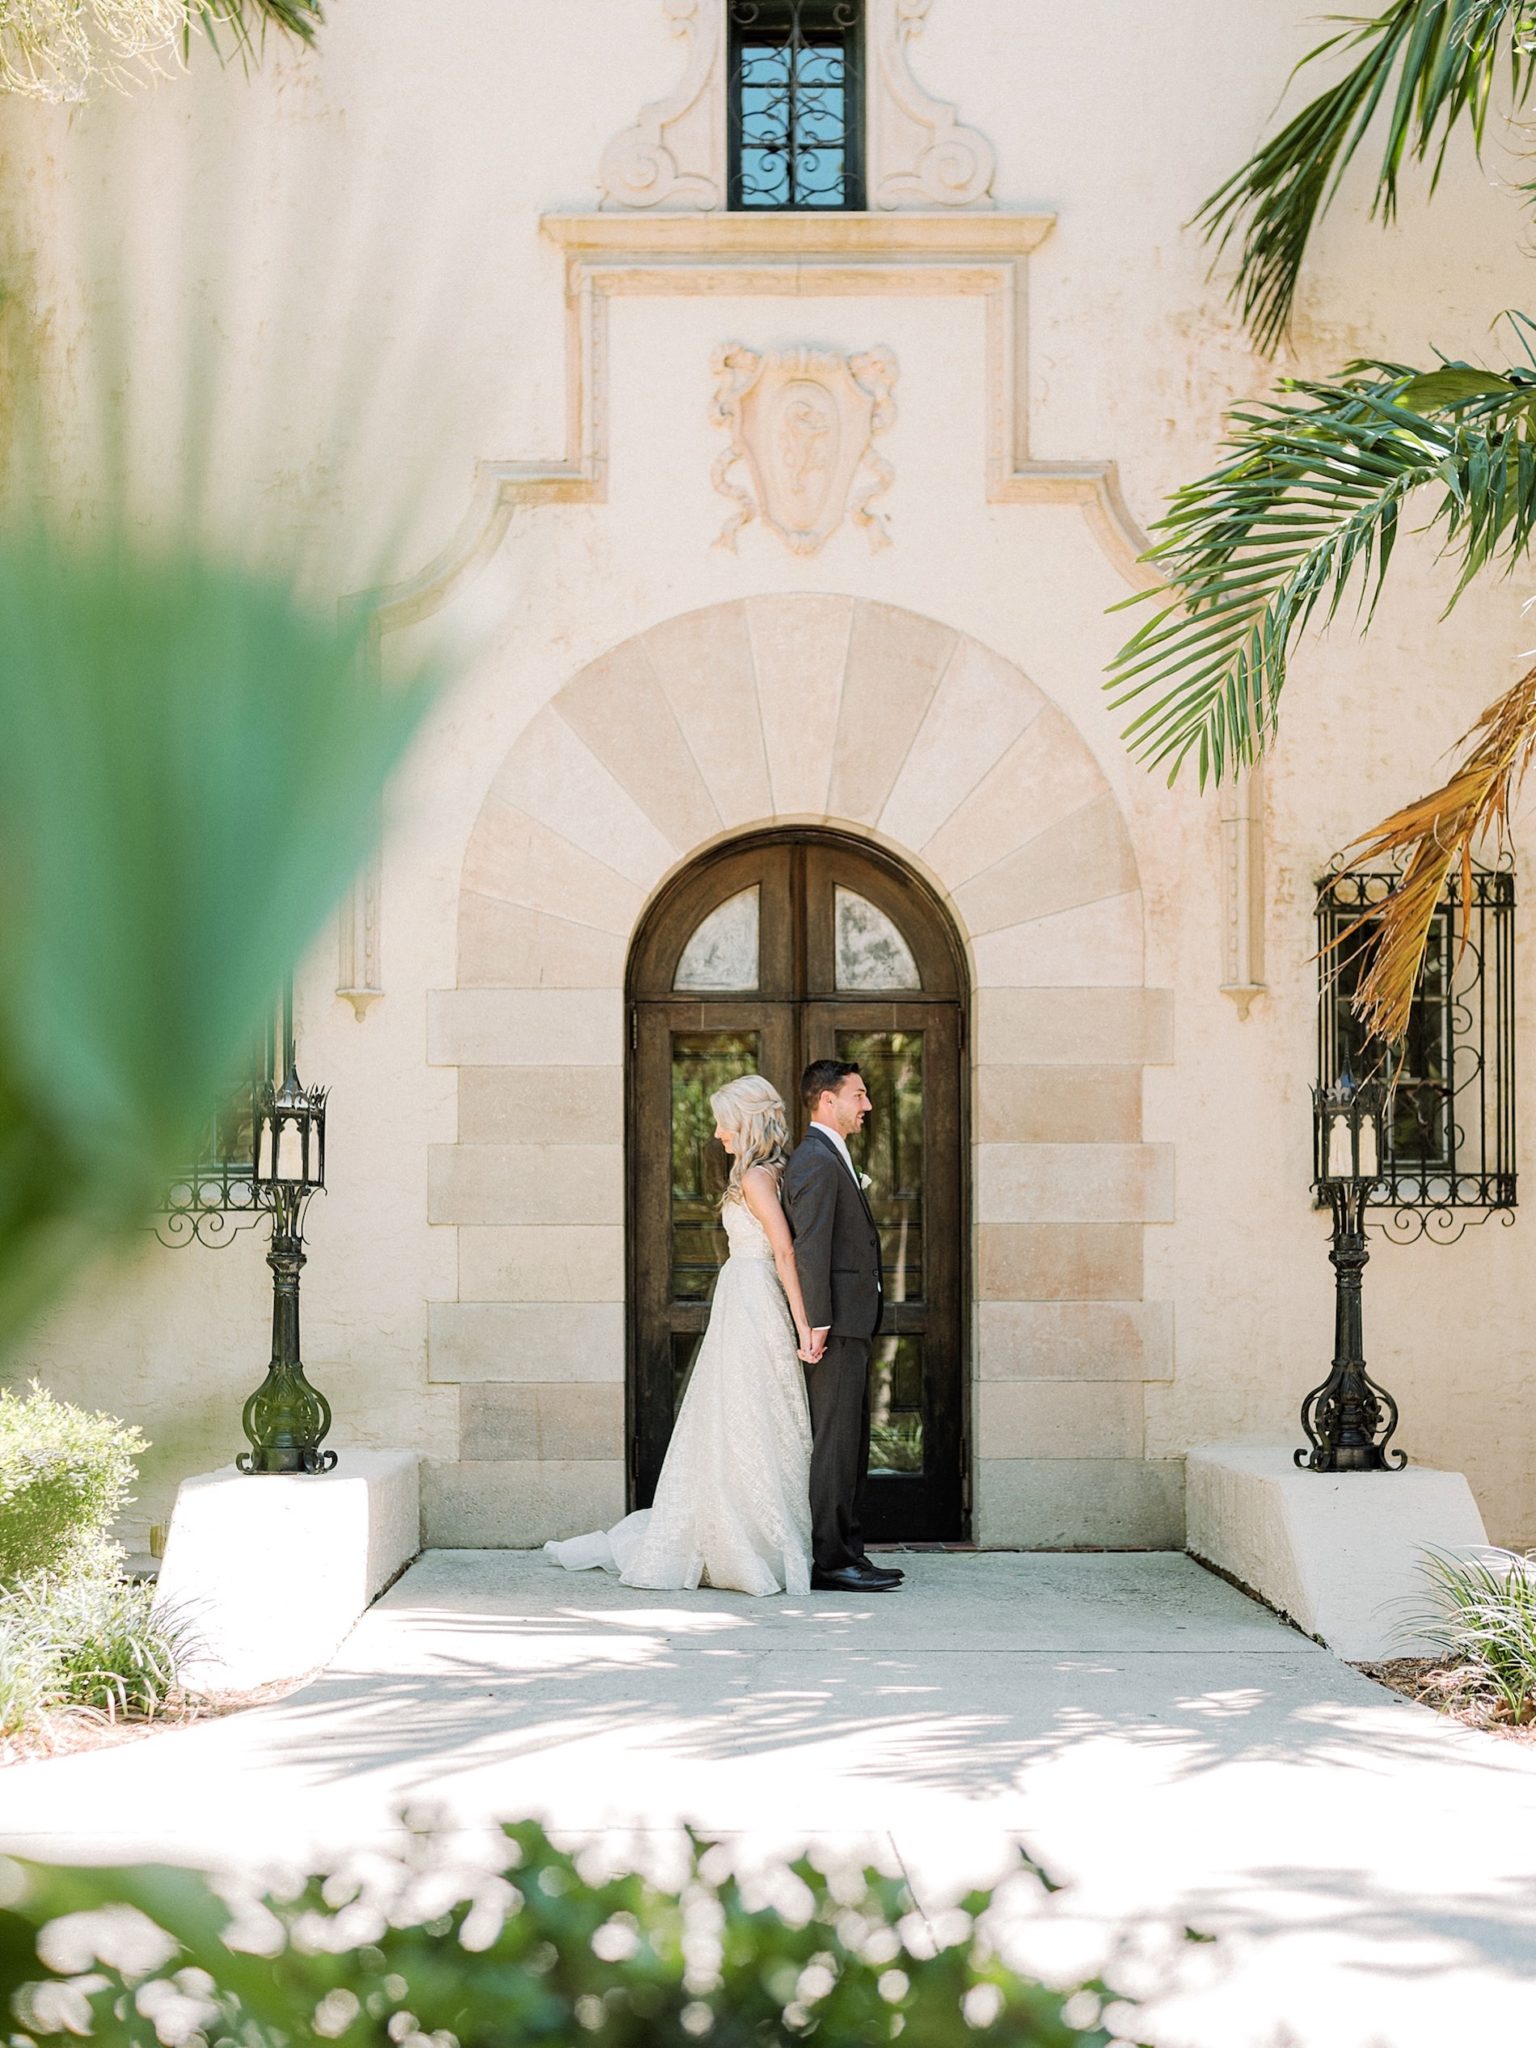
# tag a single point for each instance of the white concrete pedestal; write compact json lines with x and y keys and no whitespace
{"x":274,"y":1569}
{"x":1338,"y":1553}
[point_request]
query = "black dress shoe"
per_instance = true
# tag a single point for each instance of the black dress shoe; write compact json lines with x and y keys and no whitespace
{"x":853,"y":1578}
{"x":889,"y":1571}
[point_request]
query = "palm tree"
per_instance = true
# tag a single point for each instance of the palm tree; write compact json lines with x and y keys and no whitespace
{"x":1306,"y":503}
{"x":63,"y":50}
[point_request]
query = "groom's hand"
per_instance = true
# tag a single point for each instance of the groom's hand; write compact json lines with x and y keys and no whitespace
{"x":818,"y":1345}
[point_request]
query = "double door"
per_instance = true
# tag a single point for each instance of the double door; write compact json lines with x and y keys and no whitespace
{"x":790,"y":949}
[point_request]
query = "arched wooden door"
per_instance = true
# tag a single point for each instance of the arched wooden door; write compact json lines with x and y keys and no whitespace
{"x":772,"y":952}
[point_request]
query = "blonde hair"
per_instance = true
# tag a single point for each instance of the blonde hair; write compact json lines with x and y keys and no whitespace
{"x":754,"y":1110}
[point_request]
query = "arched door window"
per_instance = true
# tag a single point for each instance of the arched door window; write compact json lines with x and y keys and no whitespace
{"x":770,"y":953}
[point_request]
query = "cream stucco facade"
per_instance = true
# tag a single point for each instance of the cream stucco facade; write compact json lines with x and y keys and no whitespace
{"x":528,"y":233}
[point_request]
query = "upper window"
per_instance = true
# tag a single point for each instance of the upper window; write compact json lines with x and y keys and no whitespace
{"x":1451,"y":1128}
{"x":871,"y":952}
{"x":797,"y":105}
{"x":722,"y":952}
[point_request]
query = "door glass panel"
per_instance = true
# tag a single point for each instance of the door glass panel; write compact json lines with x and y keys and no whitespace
{"x":871,"y":952}
{"x":685,"y":1349}
{"x":896,"y":1406}
{"x":702,"y":1061}
{"x":890,"y":1149}
{"x":722,"y":954}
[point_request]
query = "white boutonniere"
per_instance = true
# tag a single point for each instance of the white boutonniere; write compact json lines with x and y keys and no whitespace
{"x":865,"y":1182}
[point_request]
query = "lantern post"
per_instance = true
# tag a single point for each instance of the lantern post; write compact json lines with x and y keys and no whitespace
{"x":1349,"y":1420}
{"x":286,"y":1419}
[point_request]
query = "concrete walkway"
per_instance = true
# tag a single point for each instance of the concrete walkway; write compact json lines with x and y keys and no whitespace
{"x":1167,"y":1749}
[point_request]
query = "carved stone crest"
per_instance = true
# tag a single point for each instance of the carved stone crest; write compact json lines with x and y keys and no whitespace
{"x":803,"y":423}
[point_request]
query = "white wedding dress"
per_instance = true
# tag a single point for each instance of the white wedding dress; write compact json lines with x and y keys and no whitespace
{"x":732,"y":1506}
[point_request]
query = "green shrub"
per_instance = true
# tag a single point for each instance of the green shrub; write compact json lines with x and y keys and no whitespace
{"x":412,"y":1953}
{"x":26,"y":1681}
{"x":75,"y":1637}
{"x":103,"y":1644}
{"x":64,"y":1479}
{"x":1482,"y":1619}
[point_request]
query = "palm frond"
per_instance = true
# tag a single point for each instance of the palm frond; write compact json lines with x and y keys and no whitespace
{"x":1307,"y":503}
{"x":1433,"y":64}
{"x":249,"y":20}
{"x":1438,"y":833}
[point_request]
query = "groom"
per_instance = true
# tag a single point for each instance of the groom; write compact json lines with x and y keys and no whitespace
{"x":837,"y":1252}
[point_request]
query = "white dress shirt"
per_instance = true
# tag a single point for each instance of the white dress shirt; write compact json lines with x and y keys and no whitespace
{"x":840,"y":1142}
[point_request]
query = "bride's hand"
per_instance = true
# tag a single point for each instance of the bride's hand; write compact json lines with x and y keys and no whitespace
{"x":803,"y":1346}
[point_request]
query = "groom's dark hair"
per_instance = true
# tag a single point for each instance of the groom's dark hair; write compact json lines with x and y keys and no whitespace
{"x":822,"y":1077}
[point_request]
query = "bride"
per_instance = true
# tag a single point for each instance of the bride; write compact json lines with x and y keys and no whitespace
{"x":732,"y":1506}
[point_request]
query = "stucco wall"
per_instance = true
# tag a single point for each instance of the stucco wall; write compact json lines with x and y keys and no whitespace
{"x":372,"y":214}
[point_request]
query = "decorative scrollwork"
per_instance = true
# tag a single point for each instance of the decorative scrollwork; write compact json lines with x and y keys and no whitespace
{"x":210,"y":1209}
{"x":1349,"y":1421}
{"x":1436,"y":1226}
{"x":1450,"y":1127}
{"x":1344,"y":1401}
{"x":669,"y":158}
{"x":285,"y":1421}
{"x":924,"y":154}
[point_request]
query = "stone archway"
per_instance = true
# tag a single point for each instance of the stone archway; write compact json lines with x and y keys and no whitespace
{"x":772,"y":711}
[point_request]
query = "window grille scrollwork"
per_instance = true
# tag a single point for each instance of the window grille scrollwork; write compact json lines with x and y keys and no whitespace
{"x":796,"y":105}
{"x":1450,"y":1142}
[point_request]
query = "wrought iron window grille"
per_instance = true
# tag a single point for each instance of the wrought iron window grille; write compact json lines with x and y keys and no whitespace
{"x":795,"y":115}
{"x":1449,"y":1152}
{"x":215,"y":1198}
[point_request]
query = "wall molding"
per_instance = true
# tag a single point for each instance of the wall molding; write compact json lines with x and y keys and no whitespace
{"x":1242,"y":889}
{"x":896,"y":255}
{"x":784,"y":256}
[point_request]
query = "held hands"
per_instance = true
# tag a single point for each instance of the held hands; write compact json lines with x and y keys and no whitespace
{"x":812,"y":1344}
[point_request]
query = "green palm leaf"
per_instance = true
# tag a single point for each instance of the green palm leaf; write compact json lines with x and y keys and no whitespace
{"x":1305,"y":506}
{"x":248,"y":21}
{"x":192,"y":761}
{"x":1430,"y":64}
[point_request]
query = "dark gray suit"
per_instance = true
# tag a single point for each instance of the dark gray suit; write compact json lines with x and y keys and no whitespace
{"x":837,"y":1252}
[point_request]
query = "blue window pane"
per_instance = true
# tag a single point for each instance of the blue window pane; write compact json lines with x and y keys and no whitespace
{"x":794,"y":106}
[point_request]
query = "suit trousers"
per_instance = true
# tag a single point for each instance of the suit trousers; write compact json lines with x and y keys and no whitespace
{"x":838,"y":1389}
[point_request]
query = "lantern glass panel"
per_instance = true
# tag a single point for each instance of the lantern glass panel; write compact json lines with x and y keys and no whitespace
{"x":1339,"y":1163}
{"x":290,"y":1151}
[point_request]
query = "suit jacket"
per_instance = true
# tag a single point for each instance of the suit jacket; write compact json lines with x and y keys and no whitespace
{"x":837,"y":1246}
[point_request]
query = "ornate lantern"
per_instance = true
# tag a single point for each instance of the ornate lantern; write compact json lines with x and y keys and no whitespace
{"x":1349,"y":1420}
{"x":286,"y":1419}
{"x":289,"y":1131}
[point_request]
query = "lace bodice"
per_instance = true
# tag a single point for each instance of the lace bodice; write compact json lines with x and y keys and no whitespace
{"x":745,"y":1235}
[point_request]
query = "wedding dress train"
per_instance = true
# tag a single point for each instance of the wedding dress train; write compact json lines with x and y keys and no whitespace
{"x":732,"y":1506}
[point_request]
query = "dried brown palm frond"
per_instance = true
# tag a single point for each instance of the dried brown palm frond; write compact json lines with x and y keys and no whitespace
{"x":1437,"y":833}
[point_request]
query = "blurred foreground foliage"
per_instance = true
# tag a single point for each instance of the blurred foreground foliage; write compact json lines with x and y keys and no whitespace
{"x":422,"y":1955}
{"x":193,"y":756}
